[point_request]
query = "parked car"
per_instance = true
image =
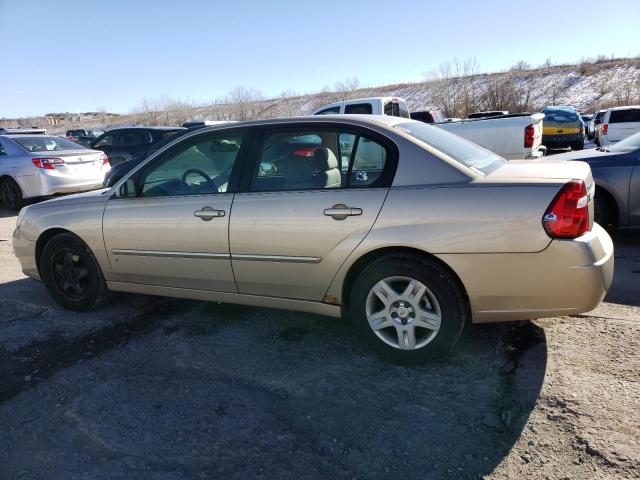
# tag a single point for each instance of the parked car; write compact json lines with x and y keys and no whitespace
{"x":413,"y":234}
{"x":616,"y":171}
{"x":594,"y":124}
{"x":427,"y":116}
{"x":121,"y":144}
{"x":392,"y":106}
{"x":23,"y":131}
{"x":586,"y":118}
{"x":619,"y":123}
{"x":563,"y":128}
{"x":489,"y":114}
{"x":513,"y":136}
{"x":119,"y":170}
{"x":38,"y":165}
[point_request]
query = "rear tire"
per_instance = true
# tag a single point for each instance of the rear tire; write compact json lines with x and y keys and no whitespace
{"x":408,"y":328}
{"x":71,"y":273}
{"x":577,"y":145}
{"x":11,"y":194}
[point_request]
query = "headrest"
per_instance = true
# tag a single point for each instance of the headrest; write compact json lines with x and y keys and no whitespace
{"x":296,"y":168}
{"x":324,"y":159}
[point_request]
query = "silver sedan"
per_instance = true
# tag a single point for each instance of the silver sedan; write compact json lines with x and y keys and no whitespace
{"x":409,"y":230}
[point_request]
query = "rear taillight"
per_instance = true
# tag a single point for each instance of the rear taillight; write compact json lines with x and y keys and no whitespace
{"x":105,"y":160}
{"x":47,"y":163}
{"x":529,"y":133}
{"x":604,"y":129}
{"x":568,"y":214}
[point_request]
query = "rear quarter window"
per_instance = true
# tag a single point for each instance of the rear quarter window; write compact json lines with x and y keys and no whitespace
{"x":625,"y":116}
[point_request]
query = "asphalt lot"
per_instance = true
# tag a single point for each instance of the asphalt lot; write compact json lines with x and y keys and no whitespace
{"x":152,"y":388}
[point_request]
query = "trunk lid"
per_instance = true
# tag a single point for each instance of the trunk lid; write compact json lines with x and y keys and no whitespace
{"x":77,"y":161}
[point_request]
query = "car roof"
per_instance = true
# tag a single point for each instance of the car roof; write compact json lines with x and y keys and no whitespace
{"x":359,"y":119}
{"x":624,"y":108}
{"x":146,"y":128}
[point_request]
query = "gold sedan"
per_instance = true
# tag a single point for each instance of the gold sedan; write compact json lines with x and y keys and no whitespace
{"x":409,"y":230}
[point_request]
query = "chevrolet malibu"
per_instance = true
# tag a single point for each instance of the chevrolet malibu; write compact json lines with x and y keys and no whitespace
{"x":407,"y":229}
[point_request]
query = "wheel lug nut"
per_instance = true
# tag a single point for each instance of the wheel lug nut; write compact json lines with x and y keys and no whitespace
{"x":412,"y":314}
{"x":394,"y":314}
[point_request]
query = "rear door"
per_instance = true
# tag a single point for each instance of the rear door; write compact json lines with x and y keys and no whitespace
{"x":310,"y":194}
{"x":623,"y":123}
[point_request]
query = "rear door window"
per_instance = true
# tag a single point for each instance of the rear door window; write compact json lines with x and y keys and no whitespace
{"x":359,"y":108}
{"x":320,"y":158}
{"x":625,"y":116}
{"x":133,"y":138}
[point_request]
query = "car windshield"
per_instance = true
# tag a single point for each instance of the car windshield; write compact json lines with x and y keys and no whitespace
{"x":476,"y":158}
{"x":629,"y":144}
{"x":46,"y":144}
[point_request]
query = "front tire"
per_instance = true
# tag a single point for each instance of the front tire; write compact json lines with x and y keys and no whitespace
{"x":603,"y":214}
{"x":72,"y":274}
{"x":11,"y":194}
{"x":408,"y":308}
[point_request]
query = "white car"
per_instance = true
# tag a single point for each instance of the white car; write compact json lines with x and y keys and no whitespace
{"x":40,"y":165}
{"x":619,"y":123}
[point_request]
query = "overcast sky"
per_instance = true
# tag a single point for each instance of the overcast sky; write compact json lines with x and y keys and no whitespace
{"x":82,"y":55}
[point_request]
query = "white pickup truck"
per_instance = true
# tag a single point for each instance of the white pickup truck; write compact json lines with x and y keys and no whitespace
{"x":514,"y":136}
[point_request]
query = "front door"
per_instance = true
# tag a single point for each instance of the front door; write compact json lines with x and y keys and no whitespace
{"x":310,"y":198}
{"x":169,"y":223}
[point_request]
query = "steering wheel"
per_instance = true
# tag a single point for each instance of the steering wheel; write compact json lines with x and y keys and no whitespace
{"x":194,"y":170}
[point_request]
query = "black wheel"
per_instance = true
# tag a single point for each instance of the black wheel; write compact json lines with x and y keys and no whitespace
{"x":603,"y":214}
{"x":11,"y":194}
{"x":407,"y":308}
{"x":577,"y":145}
{"x":72,"y":274}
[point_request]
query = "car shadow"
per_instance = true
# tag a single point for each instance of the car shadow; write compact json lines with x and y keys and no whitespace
{"x":259,"y":392}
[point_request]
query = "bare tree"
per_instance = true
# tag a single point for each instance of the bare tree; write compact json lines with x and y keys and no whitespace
{"x":244,"y":103}
{"x":347,"y":88}
{"x":453,"y":89}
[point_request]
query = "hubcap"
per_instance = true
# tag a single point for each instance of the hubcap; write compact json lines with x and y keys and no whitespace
{"x":70,"y":274}
{"x":403,"y":312}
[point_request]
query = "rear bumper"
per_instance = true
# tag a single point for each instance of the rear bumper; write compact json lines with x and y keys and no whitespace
{"x":567,"y":278}
{"x":43,"y":184}
{"x":562,"y":140}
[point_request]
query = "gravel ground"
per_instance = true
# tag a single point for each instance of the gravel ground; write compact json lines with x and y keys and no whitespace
{"x":150,"y":388}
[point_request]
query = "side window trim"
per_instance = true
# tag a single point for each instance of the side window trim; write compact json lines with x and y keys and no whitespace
{"x":252,"y":159}
{"x":238,"y":167}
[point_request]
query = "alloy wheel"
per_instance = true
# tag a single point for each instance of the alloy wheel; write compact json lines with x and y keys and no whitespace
{"x":403,"y":312}
{"x":10,"y":194}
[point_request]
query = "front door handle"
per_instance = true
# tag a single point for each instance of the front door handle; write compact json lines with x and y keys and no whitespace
{"x":341,"y":211}
{"x":208,"y":213}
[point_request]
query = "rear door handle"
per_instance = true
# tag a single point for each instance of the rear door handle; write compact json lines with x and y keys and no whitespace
{"x":208,"y":213}
{"x":341,"y":211}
